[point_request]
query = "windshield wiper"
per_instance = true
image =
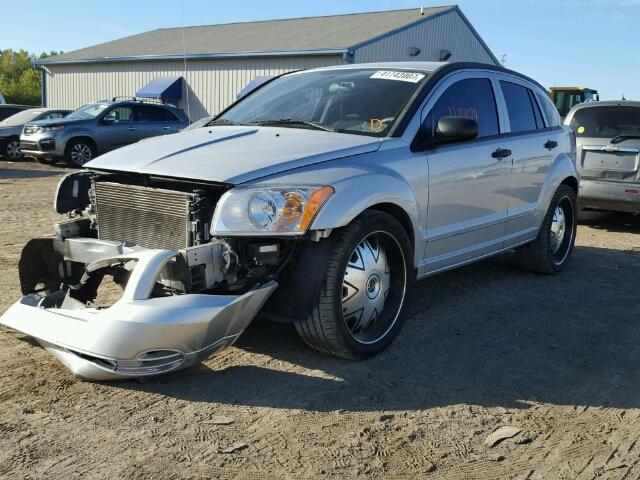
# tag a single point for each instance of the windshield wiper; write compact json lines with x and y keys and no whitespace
{"x":225,"y":121}
{"x":293,"y":122}
{"x":623,"y":137}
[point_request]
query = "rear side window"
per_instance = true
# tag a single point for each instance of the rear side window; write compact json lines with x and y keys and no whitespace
{"x":550,"y":111}
{"x":606,"y":122}
{"x":148,"y":113}
{"x":519,"y":106}
{"x":471,"y":98}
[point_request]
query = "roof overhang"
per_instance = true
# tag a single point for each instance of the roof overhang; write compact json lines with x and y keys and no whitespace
{"x":197,"y":56}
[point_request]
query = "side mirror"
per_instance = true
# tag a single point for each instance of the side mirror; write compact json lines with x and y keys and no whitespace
{"x":448,"y":130}
{"x":107,"y":120}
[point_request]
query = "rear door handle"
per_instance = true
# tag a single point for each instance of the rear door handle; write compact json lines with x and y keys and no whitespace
{"x":166,"y":128}
{"x":501,"y":153}
{"x":132,"y":129}
{"x":550,"y":145}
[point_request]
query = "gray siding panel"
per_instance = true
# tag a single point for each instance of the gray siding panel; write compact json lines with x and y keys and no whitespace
{"x":212,"y":84}
{"x":448,"y":31}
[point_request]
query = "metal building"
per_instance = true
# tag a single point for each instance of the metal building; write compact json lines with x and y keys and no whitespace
{"x":217,"y":61}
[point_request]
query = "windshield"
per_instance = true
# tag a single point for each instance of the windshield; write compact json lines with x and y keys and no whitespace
{"x":363,"y":101}
{"x":88,"y":111}
{"x":20,"y":118}
{"x":606,"y":122}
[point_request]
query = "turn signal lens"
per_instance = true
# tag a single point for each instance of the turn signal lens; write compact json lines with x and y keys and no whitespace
{"x":314,"y":204}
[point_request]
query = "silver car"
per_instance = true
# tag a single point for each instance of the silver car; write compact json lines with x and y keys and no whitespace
{"x":11,"y":128}
{"x":99,"y":127}
{"x":608,"y":154}
{"x":318,"y":199}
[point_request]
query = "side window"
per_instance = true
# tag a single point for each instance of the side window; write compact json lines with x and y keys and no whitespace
{"x":550,"y":111}
{"x":120,"y":114}
{"x":471,"y":98}
{"x":52,"y":116}
{"x":536,"y":110}
{"x":519,"y":107}
{"x":149,"y":113}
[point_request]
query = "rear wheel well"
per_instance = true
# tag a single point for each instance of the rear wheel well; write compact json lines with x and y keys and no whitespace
{"x":571,"y":182}
{"x":399,"y":214}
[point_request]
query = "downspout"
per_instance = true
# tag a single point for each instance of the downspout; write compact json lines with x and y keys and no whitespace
{"x":43,"y":86}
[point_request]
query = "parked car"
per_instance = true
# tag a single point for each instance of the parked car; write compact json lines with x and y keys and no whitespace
{"x":8,"y":109}
{"x":99,"y":127}
{"x":608,"y":154}
{"x":319,"y":199}
{"x":11,"y":128}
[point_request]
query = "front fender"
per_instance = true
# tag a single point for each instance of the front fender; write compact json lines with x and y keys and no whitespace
{"x":356,"y":194}
{"x":562,"y":168}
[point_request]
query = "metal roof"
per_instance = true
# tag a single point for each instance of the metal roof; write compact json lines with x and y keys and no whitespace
{"x":302,"y":36}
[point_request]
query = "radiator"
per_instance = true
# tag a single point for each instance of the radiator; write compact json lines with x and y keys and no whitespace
{"x":149,"y":217}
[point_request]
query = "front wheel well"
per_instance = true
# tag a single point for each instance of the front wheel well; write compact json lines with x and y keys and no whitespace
{"x":87,"y":139}
{"x":399,"y":214}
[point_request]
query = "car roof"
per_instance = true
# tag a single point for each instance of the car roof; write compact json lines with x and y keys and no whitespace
{"x":438,"y":69}
{"x":608,"y":103}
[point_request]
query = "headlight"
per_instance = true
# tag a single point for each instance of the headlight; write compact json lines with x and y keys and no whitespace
{"x":268,"y":211}
{"x":52,"y":128}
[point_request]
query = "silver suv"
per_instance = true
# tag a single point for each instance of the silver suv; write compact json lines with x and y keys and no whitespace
{"x":608,"y":154}
{"x":318,"y":199}
{"x":97,"y":128}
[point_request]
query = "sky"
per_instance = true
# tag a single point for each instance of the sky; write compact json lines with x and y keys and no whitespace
{"x":592,"y":43}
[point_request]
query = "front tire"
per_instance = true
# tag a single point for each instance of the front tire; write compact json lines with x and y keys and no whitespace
{"x":79,"y":152}
{"x":367,"y":286}
{"x":551,"y":250}
{"x":11,"y":149}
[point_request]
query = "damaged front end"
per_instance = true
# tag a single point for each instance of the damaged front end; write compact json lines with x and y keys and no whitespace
{"x":112,"y":309}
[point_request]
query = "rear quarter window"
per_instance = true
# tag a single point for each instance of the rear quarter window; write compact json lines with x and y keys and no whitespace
{"x":551,"y":114}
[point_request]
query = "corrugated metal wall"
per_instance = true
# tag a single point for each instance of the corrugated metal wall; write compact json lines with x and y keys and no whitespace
{"x":448,"y":31}
{"x":212,"y":84}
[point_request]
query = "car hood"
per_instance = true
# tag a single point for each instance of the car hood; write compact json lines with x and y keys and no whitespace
{"x":233,"y":154}
{"x":6,"y":131}
{"x":58,"y":121}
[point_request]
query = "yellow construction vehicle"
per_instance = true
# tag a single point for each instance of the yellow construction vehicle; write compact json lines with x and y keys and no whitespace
{"x":566,"y":97}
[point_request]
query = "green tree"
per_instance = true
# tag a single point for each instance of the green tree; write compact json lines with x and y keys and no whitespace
{"x":19,"y":79}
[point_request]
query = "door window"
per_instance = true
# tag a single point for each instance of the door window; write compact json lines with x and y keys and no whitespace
{"x":120,"y":114}
{"x":550,"y":111}
{"x":471,"y":98}
{"x":53,"y":116}
{"x":150,"y":113}
{"x":519,"y":106}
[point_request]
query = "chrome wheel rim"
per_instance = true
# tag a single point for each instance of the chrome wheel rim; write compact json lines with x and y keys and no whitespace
{"x":562,"y":231}
{"x":80,"y":153}
{"x":13,"y":150}
{"x":558,"y":229}
{"x":373,"y":287}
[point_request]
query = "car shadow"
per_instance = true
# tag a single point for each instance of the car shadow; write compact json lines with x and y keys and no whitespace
{"x":487,"y":334}
{"x":19,"y":173}
{"x":617,"y":222}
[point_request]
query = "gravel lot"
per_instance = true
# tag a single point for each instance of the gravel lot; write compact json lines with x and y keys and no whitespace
{"x":485,"y":346}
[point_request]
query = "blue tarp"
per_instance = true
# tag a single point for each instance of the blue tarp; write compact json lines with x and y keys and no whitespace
{"x":163,"y":88}
{"x":251,"y":86}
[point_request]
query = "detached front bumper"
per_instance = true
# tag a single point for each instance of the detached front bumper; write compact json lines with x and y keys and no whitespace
{"x":137,"y":336}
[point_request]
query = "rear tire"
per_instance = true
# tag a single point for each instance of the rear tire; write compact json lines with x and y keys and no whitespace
{"x":79,"y":152}
{"x":551,"y":250}
{"x":367,"y":286}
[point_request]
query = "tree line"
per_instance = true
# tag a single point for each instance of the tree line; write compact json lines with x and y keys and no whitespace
{"x":19,"y":79}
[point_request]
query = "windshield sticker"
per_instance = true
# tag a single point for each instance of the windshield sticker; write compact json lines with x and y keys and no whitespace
{"x":580,"y":129}
{"x":376,"y":125}
{"x":411,"y":77}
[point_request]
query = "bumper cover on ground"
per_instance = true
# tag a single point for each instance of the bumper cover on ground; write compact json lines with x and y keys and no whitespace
{"x":138,"y":336}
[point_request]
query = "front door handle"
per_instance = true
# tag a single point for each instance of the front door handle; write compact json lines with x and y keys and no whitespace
{"x":501,"y":153}
{"x":132,"y":129}
{"x":550,"y":145}
{"x":166,"y":128}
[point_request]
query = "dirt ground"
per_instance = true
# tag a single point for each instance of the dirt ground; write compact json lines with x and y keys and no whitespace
{"x":485,"y":346}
